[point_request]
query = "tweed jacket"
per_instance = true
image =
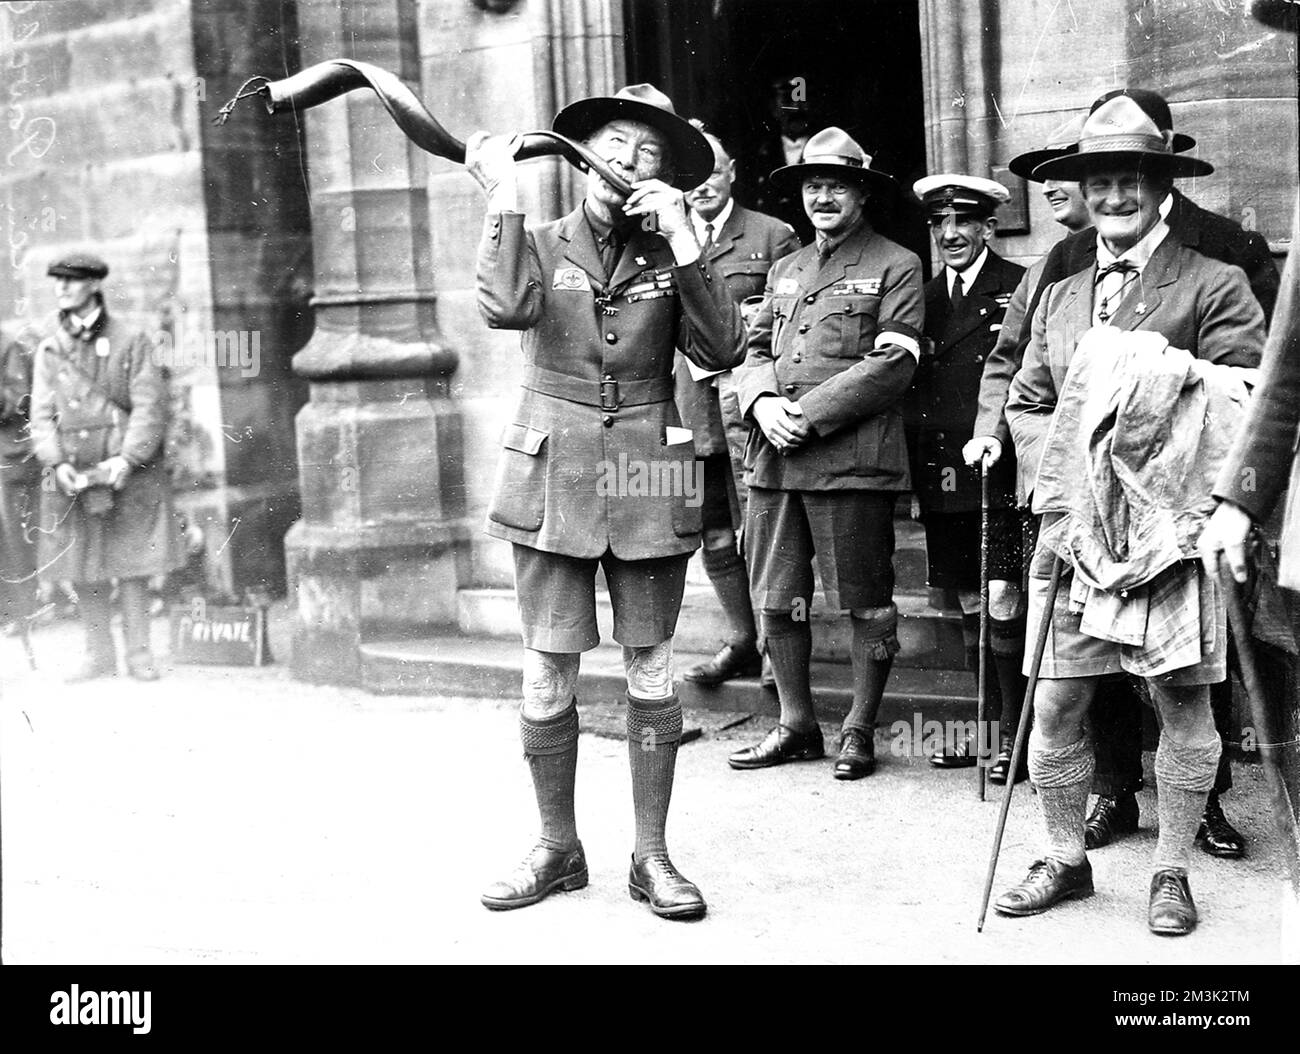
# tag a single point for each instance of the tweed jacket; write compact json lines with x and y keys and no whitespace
{"x":742,"y":254}
{"x":941,"y":405}
{"x":829,"y":338}
{"x":594,"y":457}
{"x":1197,"y":304}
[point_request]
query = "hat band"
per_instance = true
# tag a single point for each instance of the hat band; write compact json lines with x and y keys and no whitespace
{"x":1127,"y":143}
{"x":832,"y":159}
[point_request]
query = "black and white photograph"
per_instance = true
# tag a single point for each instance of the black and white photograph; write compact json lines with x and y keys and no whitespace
{"x":651,"y":482}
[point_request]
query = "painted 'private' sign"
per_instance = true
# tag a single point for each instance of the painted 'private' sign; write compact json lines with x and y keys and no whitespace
{"x":219,"y":635}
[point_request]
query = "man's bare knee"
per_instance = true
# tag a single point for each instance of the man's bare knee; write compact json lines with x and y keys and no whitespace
{"x":1185,"y":713}
{"x":549,"y":683}
{"x":1060,"y":706}
{"x":1006,"y":600}
{"x":650,"y":670}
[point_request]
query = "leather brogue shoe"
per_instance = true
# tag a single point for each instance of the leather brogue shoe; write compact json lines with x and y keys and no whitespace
{"x":734,"y":660}
{"x":1111,"y":818}
{"x":1048,"y":882}
{"x":669,"y":894}
{"x":1002,"y":767}
{"x":92,"y":670}
{"x":857,"y":756}
{"x":780,"y":745}
{"x":1172,"y":912}
{"x":961,"y":756}
{"x":1216,"y":835}
{"x":542,"y":872}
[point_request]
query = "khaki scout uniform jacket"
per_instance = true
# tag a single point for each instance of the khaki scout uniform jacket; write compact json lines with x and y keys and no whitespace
{"x":942,"y":404}
{"x":1197,"y":304}
{"x":828,"y":338}
{"x":741,"y":255}
{"x":588,"y":463}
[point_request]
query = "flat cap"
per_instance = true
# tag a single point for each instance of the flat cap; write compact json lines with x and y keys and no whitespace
{"x":78,"y":265}
{"x":951,"y":191}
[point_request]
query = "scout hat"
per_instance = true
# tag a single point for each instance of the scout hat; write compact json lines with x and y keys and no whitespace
{"x":78,"y":265}
{"x":1058,"y":143}
{"x":1120,"y":131}
{"x":692,"y":154}
{"x":1277,"y":14}
{"x":1154,"y":106}
{"x":960,"y":195}
{"x":832,"y":152}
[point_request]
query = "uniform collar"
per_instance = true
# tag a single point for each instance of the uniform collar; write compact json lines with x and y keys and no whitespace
{"x":719,"y":221}
{"x":1138,"y":255}
{"x":821,"y":240}
{"x":968,"y":276}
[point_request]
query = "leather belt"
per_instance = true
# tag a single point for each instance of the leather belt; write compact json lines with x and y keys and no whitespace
{"x":608,"y":394}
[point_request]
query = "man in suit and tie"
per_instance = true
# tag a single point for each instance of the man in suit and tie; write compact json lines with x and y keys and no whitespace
{"x":602,"y":297}
{"x":964,"y":307}
{"x":740,"y":245}
{"x":1140,"y":602}
{"x":831,"y":352}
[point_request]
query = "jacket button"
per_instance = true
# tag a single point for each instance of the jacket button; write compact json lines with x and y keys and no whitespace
{"x":611,"y":338}
{"x":790,"y":389}
{"x":607,"y":421}
{"x":796,"y":357}
{"x":805,"y":327}
{"x":809,"y":299}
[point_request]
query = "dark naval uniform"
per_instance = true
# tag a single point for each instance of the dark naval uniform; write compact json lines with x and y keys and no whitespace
{"x":941,"y":408}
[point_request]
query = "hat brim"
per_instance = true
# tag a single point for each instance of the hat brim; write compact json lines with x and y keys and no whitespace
{"x":791,"y":177}
{"x":692,"y":154}
{"x":1073,"y":166}
{"x":1277,"y":14}
{"x":1023,"y":165}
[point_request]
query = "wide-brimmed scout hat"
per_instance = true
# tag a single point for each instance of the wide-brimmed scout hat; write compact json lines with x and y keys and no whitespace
{"x":1277,"y":14}
{"x":692,"y":154}
{"x":78,"y":265}
{"x":833,"y":152}
{"x":1058,"y":143}
{"x":1119,"y":131}
{"x":960,"y":195}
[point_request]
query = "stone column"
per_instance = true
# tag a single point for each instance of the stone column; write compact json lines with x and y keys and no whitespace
{"x":379,"y":443}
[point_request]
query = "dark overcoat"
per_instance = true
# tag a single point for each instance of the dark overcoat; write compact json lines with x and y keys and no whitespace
{"x":96,"y":396}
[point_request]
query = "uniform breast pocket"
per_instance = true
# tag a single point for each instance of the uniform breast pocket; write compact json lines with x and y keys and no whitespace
{"x":851,"y":325}
{"x":745,"y":278}
{"x":685,"y":479}
{"x":520,"y":497}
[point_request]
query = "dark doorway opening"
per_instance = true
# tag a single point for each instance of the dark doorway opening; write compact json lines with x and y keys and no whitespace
{"x":748,"y":67}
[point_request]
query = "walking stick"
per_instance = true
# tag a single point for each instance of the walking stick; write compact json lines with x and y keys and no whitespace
{"x":1044,"y":624}
{"x":981,"y":667}
{"x":1283,"y":815}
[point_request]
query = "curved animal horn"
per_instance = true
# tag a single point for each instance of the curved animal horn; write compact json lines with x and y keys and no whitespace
{"x":328,"y":80}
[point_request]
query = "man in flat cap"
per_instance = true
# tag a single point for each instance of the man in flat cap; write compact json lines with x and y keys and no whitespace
{"x":1125,"y":362}
{"x":602,"y":296}
{"x":741,"y":245}
{"x":831,"y":352}
{"x":1117,"y":723}
{"x":98,"y":417}
{"x":964,"y":307}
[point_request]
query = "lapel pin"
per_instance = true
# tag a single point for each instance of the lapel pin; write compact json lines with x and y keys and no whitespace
{"x":640,"y":261}
{"x":984,"y":311}
{"x":1141,"y":309}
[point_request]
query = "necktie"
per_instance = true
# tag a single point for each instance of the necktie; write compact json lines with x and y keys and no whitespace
{"x":957,"y":294}
{"x":1112,"y":282}
{"x":708,"y":239}
{"x":610,"y":250}
{"x":824,"y":254}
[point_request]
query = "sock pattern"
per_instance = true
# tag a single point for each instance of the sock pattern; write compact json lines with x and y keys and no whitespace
{"x":1051,"y":767}
{"x":551,"y":735}
{"x":654,"y":720}
{"x":1187,"y":767}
